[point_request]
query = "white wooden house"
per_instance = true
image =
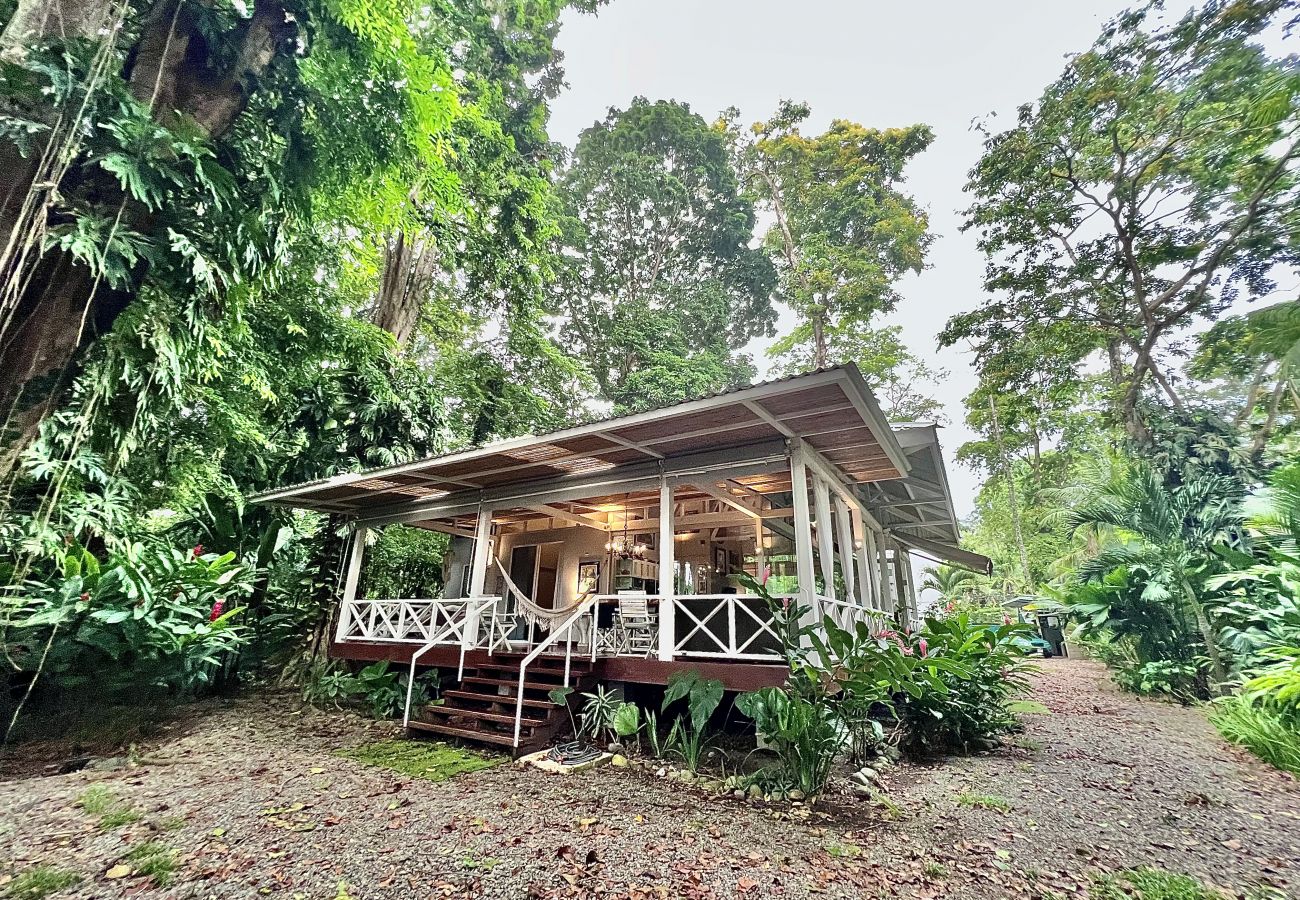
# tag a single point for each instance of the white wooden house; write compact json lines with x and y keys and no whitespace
{"x":608,"y":551}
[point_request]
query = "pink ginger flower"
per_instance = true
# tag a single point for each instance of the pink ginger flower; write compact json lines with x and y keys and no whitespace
{"x":217,"y":609}
{"x":923,"y":646}
{"x":767,"y":573}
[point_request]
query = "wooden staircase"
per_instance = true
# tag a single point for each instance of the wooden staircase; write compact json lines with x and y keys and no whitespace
{"x":481,"y":707}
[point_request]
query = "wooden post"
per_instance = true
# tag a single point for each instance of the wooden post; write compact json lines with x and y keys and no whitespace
{"x":844,"y":531}
{"x":862,"y":558}
{"x":886,"y":577}
{"x":351,"y":579}
{"x":667,"y":570}
{"x":900,"y":586}
{"x":478,"y":572}
{"x":825,"y":533}
{"x":803,"y":552}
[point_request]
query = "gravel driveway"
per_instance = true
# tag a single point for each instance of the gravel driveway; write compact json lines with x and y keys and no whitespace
{"x":248,"y":798}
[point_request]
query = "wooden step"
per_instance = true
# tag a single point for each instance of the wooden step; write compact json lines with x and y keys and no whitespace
{"x":534,"y":673}
{"x":498,"y":698}
{"x":545,"y":661}
{"x":511,"y":683}
{"x":479,"y":714}
{"x":467,"y":734}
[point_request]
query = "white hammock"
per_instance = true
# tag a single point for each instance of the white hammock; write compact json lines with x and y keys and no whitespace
{"x":541,"y":616}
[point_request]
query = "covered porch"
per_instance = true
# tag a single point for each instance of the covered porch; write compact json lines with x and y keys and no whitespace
{"x":618,"y":545}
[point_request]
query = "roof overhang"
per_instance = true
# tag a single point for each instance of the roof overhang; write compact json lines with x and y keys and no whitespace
{"x":832,"y":410}
{"x":917,"y":509}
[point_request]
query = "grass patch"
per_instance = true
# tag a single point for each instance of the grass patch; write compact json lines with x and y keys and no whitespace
{"x":40,"y":882}
{"x":1150,"y":884}
{"x":155,"y":860}
{"x":98,"y":800}
{"x":984,"y":801}
{"x":844,"y":851}
{"x":116,"y":818}
{"x":1027,"y":743}
{"x":420,"y":759}
{"x":933,"y":869}
{"x":1027,"y":708}
{"x":1262,"y":731}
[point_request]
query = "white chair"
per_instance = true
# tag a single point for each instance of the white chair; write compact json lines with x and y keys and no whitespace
{"x":637,"y":624}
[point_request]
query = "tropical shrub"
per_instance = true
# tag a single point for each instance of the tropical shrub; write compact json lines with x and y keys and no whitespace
{"x":1272,"y":735}
{"x":149,"y":622}
{"x":686,"y":738}
{"x":377,"y":689}
{"x":980,"y":668}
{"x":1153,"y":579}
{"x":842,"y":685}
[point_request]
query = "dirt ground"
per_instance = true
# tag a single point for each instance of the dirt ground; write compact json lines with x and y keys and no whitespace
{"x":249,"y":799}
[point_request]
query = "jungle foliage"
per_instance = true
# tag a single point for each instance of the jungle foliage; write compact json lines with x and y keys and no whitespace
{"x":1136,"y":415}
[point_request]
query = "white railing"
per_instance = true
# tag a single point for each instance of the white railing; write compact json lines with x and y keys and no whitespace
{"x":586,"y":609}
{"x":845,"y":614}
{"x":726,"y":626}
{"x":437,"y":621}
{"x":454,"y":622}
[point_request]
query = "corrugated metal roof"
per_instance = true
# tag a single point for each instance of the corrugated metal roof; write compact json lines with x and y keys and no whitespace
{"x":608,"y":422}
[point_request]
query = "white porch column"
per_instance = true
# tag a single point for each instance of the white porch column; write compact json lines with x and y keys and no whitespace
{"x":909,"y":585}
{"x":900,"y":585}
{"x":478,"y":571}
{"x":825,"y":533}
{"x":482,"y":552}
{"x":871,"y":559}
{"x":351,"y":579}
{"x":861,"y":561}
{"x":760,"y":552}
{"x":844,"y":531}
{"x":886,"y":576}
{"x":803,"y":551}
{"x":667,"y":567}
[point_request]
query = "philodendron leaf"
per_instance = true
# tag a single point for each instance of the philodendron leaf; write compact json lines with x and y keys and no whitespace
{"x":627,"y":720}
{"x":560,"y":695}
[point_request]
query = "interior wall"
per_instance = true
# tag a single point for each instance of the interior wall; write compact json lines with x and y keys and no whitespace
{"x":577,"y":544}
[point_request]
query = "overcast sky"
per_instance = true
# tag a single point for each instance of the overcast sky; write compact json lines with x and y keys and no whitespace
{"x":881,"y":64}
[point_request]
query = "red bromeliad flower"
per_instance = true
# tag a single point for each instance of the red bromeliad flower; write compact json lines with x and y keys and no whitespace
{"x":197,"y":551}
{"x":85,"y":595}
{"x":217,"y":609}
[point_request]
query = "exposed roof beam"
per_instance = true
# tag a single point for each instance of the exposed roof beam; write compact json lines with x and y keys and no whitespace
{"x":631,"y":445}
{"x":724,"y":497}
{"x":761,"y":411}
{"x":565,"y":515}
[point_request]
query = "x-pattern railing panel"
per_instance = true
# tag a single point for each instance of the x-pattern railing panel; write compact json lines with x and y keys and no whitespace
{"x":720,"y":625}
{"x":440,"y":621}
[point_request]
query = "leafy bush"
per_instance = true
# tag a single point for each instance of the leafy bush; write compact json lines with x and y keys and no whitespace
{"x":1173,"y":678}
{"x":1277,"y":682}
{"x":980,"y":669}
{"x":152,"y":620}
{"x":686,"y":738}
{"x":376,"y":688}
{"x":844,"y":683}
{"x":1267,"y":732}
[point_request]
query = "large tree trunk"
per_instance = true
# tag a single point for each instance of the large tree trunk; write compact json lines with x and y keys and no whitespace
{"x":53,"y":305}
{"x":409,"y":266}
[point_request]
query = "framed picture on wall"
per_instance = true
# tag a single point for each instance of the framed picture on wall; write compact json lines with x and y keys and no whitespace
{"x":720,"y":566}
{"x":588,"y":577}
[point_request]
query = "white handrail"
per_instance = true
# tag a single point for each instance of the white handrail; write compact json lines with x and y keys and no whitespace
{"x":451,"y":626}
{"x":588,"y":604}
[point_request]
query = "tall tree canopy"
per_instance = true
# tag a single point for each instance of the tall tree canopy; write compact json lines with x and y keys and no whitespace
{"x":844,"y":231}
{"x":660,"y":287}
{"x":1148,"y":188}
